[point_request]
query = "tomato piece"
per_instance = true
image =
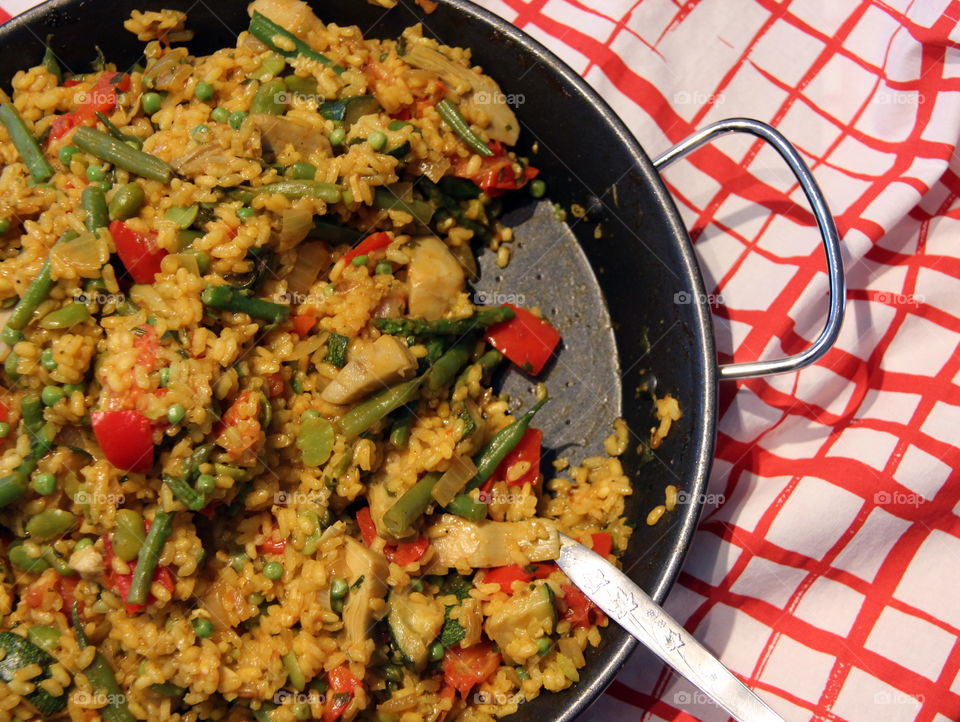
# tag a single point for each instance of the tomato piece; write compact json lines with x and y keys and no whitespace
{"x":450,"y":693}
{"x":147,"y":343}
{"x":464,"y":668}
{"x":497,"y":173}
{"x":407,"y":552}
{"x":526,"y":340}
{"x":302,"y":323}
{"x":373,"y":242}
{"x":67,"y":589}
{"x":121,"y":582}
{"x":37,"y":590}
{"x":368,"y":530}
{"x":602,"y":543}
{"x":4,"y":411}
{"x":239,"y":430}
{"x":275,"y":384}
{"x":126,"y":438}
{"x":578,"y":609}
{"x":506,"y":576}
{"x":272,"y":546}
{"x":527,"y":450}
{"x":102,"y":98}
{"x":138,"y":252}
{"x":343,"y":684}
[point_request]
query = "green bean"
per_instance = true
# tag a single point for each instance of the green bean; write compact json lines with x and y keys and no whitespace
{"x":51,"y":523}
{"x":59,"y":564}
{"x":502,"y":443}
{"x":227,"y":298}
{"x":469,"y":508}
{"x":126,"y":202}
{"x":15,"y":484}
{"x":294,"y":674}
{"x":148,"y":557}
{"x":452,"y":116}
{"x":232,"y":471}
{"x":335,"y":233}
{"x":50,"y":61}
{"x":168,"y":689}
{"x":453,"y":207}
{"x":66,"y":317}
{"x":265,"y":30}
{"x":386,"y":200}
{"x":269,"y":98}
{"x":400,"y":431}
{"x":197,"y":457}
{"x":400,"y":517}
{"x":444,"y":327}
{"x":100,"y":675}
{"x":31,"y":410}
{"x":292,"y":189}
{"x":462,"y":189}
{"x":488,"y":362}
{"x":128,"y":537}
{"x":185,"y":493}
{"x":94,"y":204}
{"x":47,"y":638}
{"x":337,"y":350}
{"x":365,"y":414}
{"x":121,"y":155}
{"x":447,"y":366}
{"x":36,"y":293}
{"x":25,"y":143}
{"x":131,"y":140}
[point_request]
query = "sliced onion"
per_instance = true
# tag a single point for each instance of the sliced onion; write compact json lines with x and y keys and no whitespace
{"x":85,"y":254}
{"x":432,"y":169}
{"x":570,"y":648}
{"x":313,"y":258}
{"x":295,"y":224}
{"x":461,"y":470}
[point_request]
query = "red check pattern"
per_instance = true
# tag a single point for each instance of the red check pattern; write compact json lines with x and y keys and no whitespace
{"x":824,"y":572}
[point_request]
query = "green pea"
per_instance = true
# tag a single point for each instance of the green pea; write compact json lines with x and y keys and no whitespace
{"x":129,"y":534}
{"x":18,"y":556}
{"x":83,"y":543}
{"x":220,"y":115}
{"x":66,"y":154}
{"x":66,"y":317}
{"x":151,"y":102}
{"x":538,"y":188}
{"x":203,"y":90}
{"x":51,"y":523}
{"x":200,"y":133}
{"x":543,"y":646}
{"x":273,"y":570}
{"x":10,"y":365}
{"x":126,"y":202}
{"x":347,"y":197}
{"x":522,"y":674}
{"x":175,"y":414}
{"x":44,"y":484}
{"x":202,"y":627}
{"x":206,"y":483}
{"x":383,"y":268}
{"x":4,"y":226}
{"x":50,"y":395}
{"x":4,"y":429}
{"x":68,"y":389}
{"x":301,"y":171}
{"x":360,"y":260}
{"x":245,"y":214}
{"x":47,"y":638}
{"x":236,"y":119}
{"x":436,"y":652}
{"x":96,"y":173}
{"x":339,"y":588}
{"x":237,"y":561}
{"x":301,"y":711}
{"x":164,"y":376}
{"x":416,"y":585}
{"x":104,"y":185}
{"x":338,"y":136}
{"x":203,"y":259}
{"x":377,"y":140}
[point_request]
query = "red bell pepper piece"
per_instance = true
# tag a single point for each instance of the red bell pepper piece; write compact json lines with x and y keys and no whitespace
{"x":602,"y":543}
{"x":506,"y":576}
{"x":450,"y":693}
{"x":464,"y":668}
{"x":67,"y":588}
{"x":302,"y":323}
{"x":528,"y":450}
{"x":497,"y":173}
{"x":126,"y":438}
{"x":368,"y":530}
{"x":102,"y":98}
{"x":578,"y":609}
{"x":138,"y":252}
{"x":407,"y":552}
{"x":526,"y":340}
{"x":373,"y":242}
{"x":343,"y":685}
{"x":121,"y":582}
{"x":272,"y":546}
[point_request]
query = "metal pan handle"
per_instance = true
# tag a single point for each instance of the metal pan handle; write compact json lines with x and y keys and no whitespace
{"x":828,"y":232}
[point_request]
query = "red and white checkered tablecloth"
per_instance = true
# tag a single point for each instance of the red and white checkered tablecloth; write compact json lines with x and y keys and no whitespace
{"x":826,"y":571}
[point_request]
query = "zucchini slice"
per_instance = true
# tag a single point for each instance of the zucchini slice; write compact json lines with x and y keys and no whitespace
{"x":19,"y":653}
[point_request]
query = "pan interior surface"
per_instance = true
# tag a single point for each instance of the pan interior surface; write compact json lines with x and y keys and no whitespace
{"x":613,"y":281}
